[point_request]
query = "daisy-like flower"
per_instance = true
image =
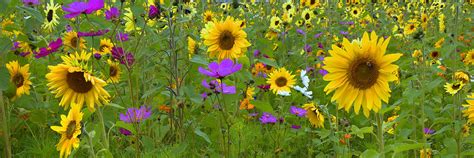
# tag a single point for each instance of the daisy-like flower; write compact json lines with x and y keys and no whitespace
{"x":105,"y":46}
{"x":135,"y":115}
{"x":208,"y":16}
{"x":225,"y":39}
{"x":281,"y":81}
{"x":218,"y":87}
{"x":20,"y":77}
{"x":453,"y":88}
{"x":77,"y":8}
{"x":462,"y":77}
{"x":298,"y":111}
{"x":363,"y":70}
{"x":70,"y":128}
{"x":76,"y":86}
{"x":220,"y":70}
{"x":112,"y":14}
{"x":73,"y":41}
{"x":314,"y":115}
{"x":469,"y":59}
{"x":267,"y":118}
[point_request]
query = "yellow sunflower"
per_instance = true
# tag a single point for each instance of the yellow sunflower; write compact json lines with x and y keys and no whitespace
{"x":469,"y":59}
{"x":281,"y":80}
{"x":20,"y":76}
{"x":453,"y":88}
{"x":275,"y":23}
{"x":74,"y":42}
{"x":462,"y":77}
{"x":105,"y":46}
{"x":225,"y":39}
{"x":191,"y":47}
{"x":208,"y":16}
{"x":314,"y":115}
{"x":75,"y":85}
{"x":287,"y":6}
{"x":76,"y":59}
{"x":114,"y":71}
{"x":469,"y":112}
{"x":425,"y":153}
{"x":307,"y":15}
{"x":130,"y":24}
{"x":51,"y":19}
{"x":313,"y":3}
{"x":355,"y":12}
{"x":362,"y":70}
{"x":70,"y":128}
{"x":410,"y":28}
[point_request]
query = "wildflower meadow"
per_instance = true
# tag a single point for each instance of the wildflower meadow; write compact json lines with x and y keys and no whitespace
{"x":253,"y":78}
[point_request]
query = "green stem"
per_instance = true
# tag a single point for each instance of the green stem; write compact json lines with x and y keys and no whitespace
{"x":6,"y":135}
{"x":104,"y":134}
{"x":379,"y":118}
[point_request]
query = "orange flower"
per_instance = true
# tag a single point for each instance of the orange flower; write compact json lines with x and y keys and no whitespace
{"x":165,"y":108}
{"x":246,"y":105}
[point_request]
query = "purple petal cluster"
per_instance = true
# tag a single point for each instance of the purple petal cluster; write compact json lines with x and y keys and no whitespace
{"x":122,"y":37}
{"x":217,"y":87}
{"x":92,"y":33}
{"x":112,"y":14}
{"x":135,"y":115}
{"x":267,"y":118}
{"x":153,"y":12}
{"x":52,"y":47}
{"x":31,"y":3}
{"x":428,"y":131}
{"x":298,"y":111}
{"x":77,"y":8}
{"x":220,"y":70}
{"x":126,"y":59}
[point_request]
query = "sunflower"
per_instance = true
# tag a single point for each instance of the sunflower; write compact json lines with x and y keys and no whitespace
{"x":105,"y":46}
{"x":410,"y":28}
{"x":225,"y":39}
{"x":191,"y":47}
{"x":307,"y":14}
{"x":275,"y":23}
{"x":424,"y":21}
{"x":281,"y":80}
{"x":114,"y":72}
{"x":51,"y":19}
{"x":72,"y":41}
{"x":287,"y":6}
{"x":425,"y":153}
{"x":469,"y":59}
{"x":76,"y":59}
{"x":313,"y":3}
{"x":70,"y":128}
{"x":20,"y":76}
{"x":189,"y":10}
{"x":355,"y":12}
{"x":314,"y":115}
{"x":208,"y":16}
{"x":453,"y":88}
{"x":434,"y":54}
{"x":462,"y":77}
{"x":76,"y":86}
{"x":362,"y":70}
{"x":469,"y":112}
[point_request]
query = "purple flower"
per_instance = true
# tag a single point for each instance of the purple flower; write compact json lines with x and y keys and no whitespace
{"x":204,"y":96}
{"x":346,"y":23}
{"x":307,"y":48}
{"x":217,"y":87}
{"x":300,"y":31}
{"x":92,"y":33}
{"x":343,"y":32}
{"x":221,"y":70}
{"x":16,"y":45}
{"x":428,"y":131}
{"x":298,"y":111}
{"x":126,"y":59}
{"x":135,"y":115}
{"x":295,"y":126}
{"x":31,"y":2}
{"x":125,"y":131}
{"x":68,"y":28}
{"x":97,"y":56}
{"x":323,"y":72}
{"x":112,"y":14}
{"x":264,"y":87}
{"x":320,"y":45}
{"x":268,"y":118}
{"x":153,"y":12}
{"x":122,"y":37}
{"x":256,"y":53}
{"x":52,"y":47}
{"x":318,"y":35}
{"x":77,"y":8}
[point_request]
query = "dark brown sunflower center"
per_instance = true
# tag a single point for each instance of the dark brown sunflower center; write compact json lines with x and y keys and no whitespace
{"x":18,"y":80}
{"x":412,"y":27}
{"x":307,"y":16}
{"x":113,"y":71}
{"x":281,"y":81}
{"x":74,"y":42}
{"x":227,"y":40}
{"x":456,"y":86}
{"x":312,"y":2}
{"x":277,"y":22}
{"x":363,"y":73}
{"x":288,"y":7}
{"x":49,"y":17}
{"x":78,"y":83}
{"x":208,"y":18}
{"x":71,"y":128}
{"x":355,"y":12}
{"x":434,"y":54}
{"x":102,"y":47}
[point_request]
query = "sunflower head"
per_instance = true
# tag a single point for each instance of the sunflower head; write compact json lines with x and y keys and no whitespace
{"x":281,"y":80}
{"x":363,"y":70}
{"x":114,"y":71}
{"x":77,"y":59}
{"x":73,"y":41}
{"x":105,"y":46}
{"x":70,"y":128}
{"x":20,"y":77}
{"x":314,"y":115}
{"x":453,"y":88}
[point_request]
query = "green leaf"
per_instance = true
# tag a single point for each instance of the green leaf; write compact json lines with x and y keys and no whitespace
{"x":369,"y":153}
{"x":33,"y":12}
{"x":127,"y":126}
{"x":268,"y":62}
{"x":203,"y":135}
{"x":262,"y":106}
{"x":361,"y":131}
{"x":4,"y":77}
{"x":116,"y":106}
{"x":400,"y":147}
{"x":199,"y":59}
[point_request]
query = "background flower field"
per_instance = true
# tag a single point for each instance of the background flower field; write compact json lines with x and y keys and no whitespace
{"x":304,"y":78}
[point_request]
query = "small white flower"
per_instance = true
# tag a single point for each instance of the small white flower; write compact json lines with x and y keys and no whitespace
{"x":304,"y":90}
{"x":284,"y":93}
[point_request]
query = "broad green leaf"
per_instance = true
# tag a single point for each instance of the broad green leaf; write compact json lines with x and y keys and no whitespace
{"x":126,"y":126}
{"x":202,"y":135}
{"x":262,"y":106}
{"x":369,"y":153}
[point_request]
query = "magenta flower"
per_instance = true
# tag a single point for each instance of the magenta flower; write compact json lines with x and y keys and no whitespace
{"x":217,"y":87}
{"x":428,"y":131}
{"x":153,"y":12}
{"x":135,"y":115}
{"x":308,"y":48}
{"x":126,"y":59}
{"x":295,"y":126}
{"x":92,"y":33}
{"x":52,"y":47}
{"x":221,"y":70}
{"x":112,"y":14}
{"x":77,"y":8}
{"x":298,"y":111}
{"x":125,"y":131}
{"x":268,"y":118}
{"x":30,"y":3}
{"x":122,"y":37}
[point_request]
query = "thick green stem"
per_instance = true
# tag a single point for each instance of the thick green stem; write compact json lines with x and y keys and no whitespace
{"x":379,"y":118}
{"x":104,"y":133}
{"x":6,"y":134}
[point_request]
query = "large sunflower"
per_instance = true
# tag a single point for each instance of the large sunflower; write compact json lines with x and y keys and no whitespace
{"x":76,"y":59}
{"x":314,"y":115}
{"x":73,"y":41}
{"x":52,"y":17}
{"x":225,"y":39}
{"x":362,"y":70}
{"x":114,"y":72}
{"x":281,"y":80}
{"x":469,"y":112}
{"x":70,"y":128}
{"x":76,"y":85}
{"x":20,"y":76}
